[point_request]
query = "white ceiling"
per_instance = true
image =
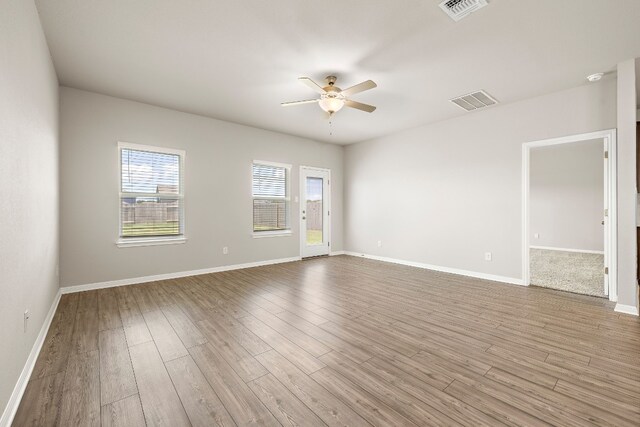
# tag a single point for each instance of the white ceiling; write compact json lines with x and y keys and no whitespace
{"x":236,"y":60}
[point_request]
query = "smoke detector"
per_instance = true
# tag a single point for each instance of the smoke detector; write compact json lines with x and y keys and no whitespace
{"x":595,"y":77}
{"x":458,"y":9}
{"x":474,"y":101}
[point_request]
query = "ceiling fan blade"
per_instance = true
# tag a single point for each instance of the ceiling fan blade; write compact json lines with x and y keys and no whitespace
{"x":360,"y":106}
{"x":360,"y":87}
{"x":313,"y":85}
{"x":306,"y":101}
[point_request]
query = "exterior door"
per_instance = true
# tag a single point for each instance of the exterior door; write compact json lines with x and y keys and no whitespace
{"x":315,"y":197}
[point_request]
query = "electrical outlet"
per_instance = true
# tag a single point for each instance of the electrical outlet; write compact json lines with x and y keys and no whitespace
{"x":225,"y":250}
{"x":536,"y":236}
{"x":487,"y":256}
{"x":379,"y":243}
{"x":26,"y":319}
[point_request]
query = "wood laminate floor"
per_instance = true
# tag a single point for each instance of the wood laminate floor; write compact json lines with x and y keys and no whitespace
{"x":334,"y":341}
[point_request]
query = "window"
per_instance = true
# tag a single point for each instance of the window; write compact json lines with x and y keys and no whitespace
{"x":151,"y":195}
{"x":270,"y":189}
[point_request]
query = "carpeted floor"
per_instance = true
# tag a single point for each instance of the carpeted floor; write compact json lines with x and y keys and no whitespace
{"x":576,"y":272}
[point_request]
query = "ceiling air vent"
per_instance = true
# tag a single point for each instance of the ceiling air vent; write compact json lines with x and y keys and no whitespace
{"x":474,"y":101}
{"x":458,"y":9}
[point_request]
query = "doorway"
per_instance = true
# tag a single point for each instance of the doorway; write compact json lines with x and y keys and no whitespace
{"x":315,"y":222}
{"x":569,"y":217}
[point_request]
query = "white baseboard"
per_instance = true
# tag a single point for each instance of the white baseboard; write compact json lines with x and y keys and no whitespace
{"x":584,"y":251}
{"x":626,"y":309}
{"x":146,"y":279}
{"x":334,"y":253}
{"x":494,"y":278}
{"x":21,"y":385}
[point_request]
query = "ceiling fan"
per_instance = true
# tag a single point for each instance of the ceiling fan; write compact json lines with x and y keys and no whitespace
{"x":332,"y":98}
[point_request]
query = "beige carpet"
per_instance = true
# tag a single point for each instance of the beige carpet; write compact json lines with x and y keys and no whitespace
{"x":577,"y":272}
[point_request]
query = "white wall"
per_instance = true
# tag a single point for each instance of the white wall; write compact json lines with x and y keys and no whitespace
{"x":28,"y":186}
{"x":566,"y":196}
{"x":446,"y":193}
{"x":627,"y":260}
{"x":218,"y":200}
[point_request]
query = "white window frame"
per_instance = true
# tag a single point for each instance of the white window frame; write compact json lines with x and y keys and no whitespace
{"x":287,"y":198}
{"x":124,"y":242}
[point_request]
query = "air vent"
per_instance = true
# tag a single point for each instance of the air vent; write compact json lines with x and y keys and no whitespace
{"x":474,"y":101}
{"x":458,"y":9}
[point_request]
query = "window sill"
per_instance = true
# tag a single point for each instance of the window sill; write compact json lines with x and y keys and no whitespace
{"x":150,"y":241}
{"x":279,"y":233}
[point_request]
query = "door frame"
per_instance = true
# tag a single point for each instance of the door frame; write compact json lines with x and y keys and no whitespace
{"x":326,"y":202}
{"x":611,"y":186}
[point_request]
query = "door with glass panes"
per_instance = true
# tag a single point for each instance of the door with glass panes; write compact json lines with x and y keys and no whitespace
{"x":315,"y":197}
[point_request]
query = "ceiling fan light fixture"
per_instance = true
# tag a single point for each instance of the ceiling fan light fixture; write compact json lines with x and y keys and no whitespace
{"x":332,"y":98}
{"x":331,"y":104}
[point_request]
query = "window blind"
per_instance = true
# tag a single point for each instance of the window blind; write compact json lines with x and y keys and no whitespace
{"x":270,"y":186}
{"x":150,"y":194}
{"x":269,"y":181}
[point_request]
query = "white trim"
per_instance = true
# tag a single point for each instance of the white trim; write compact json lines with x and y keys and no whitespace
{"x":151,"y":241}
{"x":273,"y":233}
{"x":611,"y":251}
{"x":146,"y":279}
{"x":336,"y":253}
{"x":601,"y":134}
{"x":626,"y":309}
{"x":583,"y":251}
{"x":275,"y":164}
{"x":18,"y":391}
{"x":316,"y":168}
{"x":474,"y":274}
{"x":151,"y":148}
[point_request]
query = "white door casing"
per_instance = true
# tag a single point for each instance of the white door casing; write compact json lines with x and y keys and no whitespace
{"x":610,"y":203}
